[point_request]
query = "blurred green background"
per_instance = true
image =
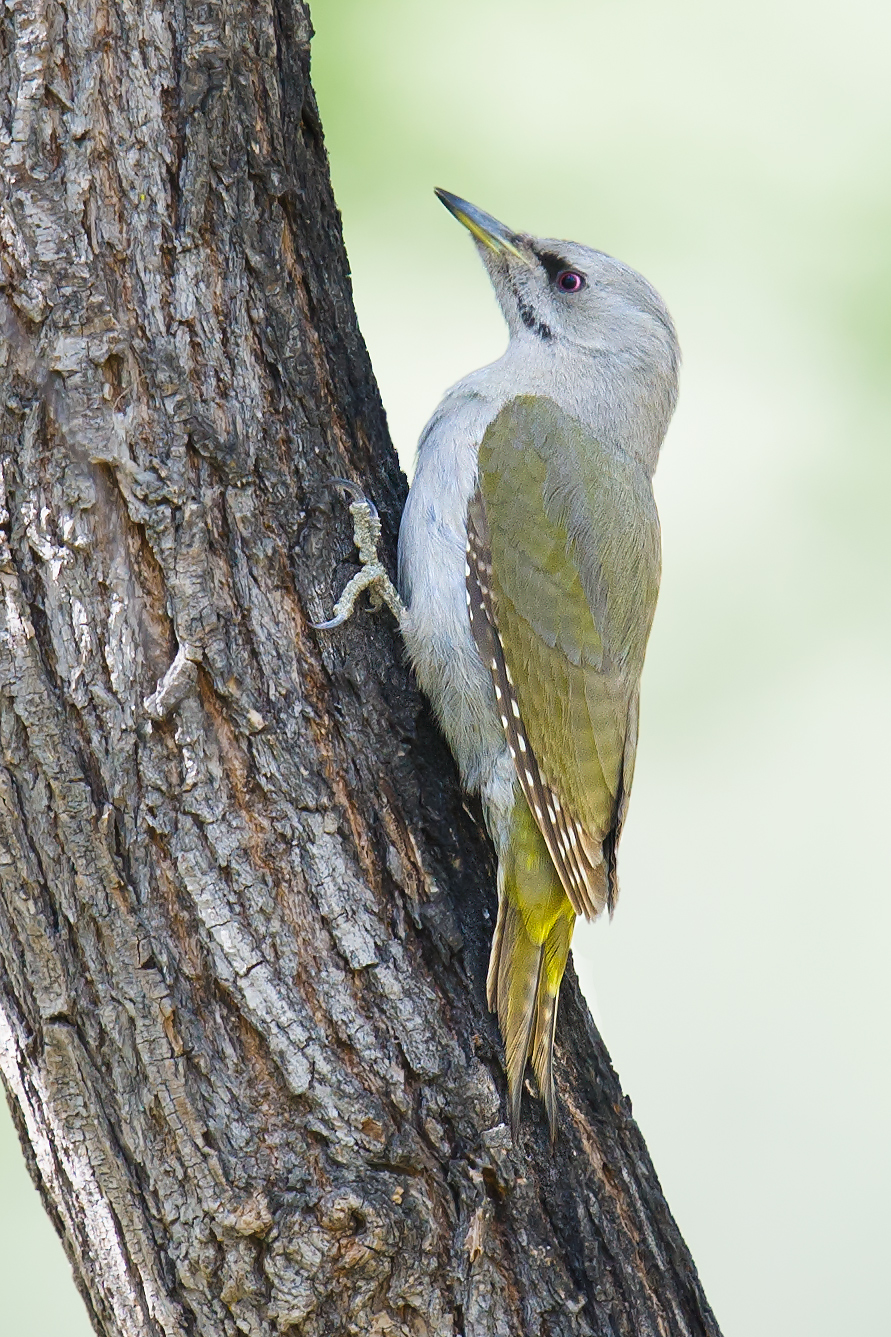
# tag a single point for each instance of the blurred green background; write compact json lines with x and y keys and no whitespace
{"x":739,"y":156}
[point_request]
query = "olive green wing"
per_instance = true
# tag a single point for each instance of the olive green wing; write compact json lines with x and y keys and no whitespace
{"x":563,"y":574}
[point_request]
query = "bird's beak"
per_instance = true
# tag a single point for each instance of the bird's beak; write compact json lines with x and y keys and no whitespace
{"x":486,"y":229}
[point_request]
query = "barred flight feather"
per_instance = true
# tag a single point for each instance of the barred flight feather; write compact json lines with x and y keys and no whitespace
{"x":577,"y":858}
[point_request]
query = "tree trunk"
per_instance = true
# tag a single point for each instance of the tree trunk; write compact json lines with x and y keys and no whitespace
{"x":245,"y":913}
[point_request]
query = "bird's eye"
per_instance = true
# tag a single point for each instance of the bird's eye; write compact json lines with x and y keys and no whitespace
{"x":568,"y":280}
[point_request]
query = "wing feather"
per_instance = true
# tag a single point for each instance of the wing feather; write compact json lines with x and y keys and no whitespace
{"x":562,"y":577}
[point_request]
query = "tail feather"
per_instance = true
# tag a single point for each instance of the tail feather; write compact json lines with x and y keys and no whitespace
{"x":543,"y":1054}
{"x":554,"y":957}
{"x":530,"y":947}
{"x":518,"y":975}
{"x":495,"y":954}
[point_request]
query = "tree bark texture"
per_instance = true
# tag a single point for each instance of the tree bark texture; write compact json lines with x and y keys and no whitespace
{"x":244,"y":911}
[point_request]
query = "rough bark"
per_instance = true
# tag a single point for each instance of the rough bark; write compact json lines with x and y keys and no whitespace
{"x":244,"y":911}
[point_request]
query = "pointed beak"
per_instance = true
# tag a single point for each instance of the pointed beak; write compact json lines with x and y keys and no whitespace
{"x":486,"y":229}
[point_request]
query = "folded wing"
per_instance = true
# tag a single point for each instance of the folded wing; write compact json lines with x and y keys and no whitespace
{"x":563,"y":563}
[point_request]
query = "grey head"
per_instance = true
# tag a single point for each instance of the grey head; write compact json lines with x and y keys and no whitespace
{"x":583,"y":306}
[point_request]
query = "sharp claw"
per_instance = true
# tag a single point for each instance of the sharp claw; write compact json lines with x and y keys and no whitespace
{"x":353,"y":490}
{"x":347,"y":485}
{"x":332,"y":622}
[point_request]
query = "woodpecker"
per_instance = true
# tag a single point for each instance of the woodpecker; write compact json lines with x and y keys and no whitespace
{"x":529,"y":566}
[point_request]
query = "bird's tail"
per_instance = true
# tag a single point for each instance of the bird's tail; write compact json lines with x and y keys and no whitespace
{"x":529,"y":953}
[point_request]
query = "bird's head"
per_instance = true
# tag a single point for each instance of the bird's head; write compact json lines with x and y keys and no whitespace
{"x":565,"y":294}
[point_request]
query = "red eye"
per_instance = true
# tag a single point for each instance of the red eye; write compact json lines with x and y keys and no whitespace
{"x":570,"y":281}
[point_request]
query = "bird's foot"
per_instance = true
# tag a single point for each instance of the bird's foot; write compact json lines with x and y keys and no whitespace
{"x":372,"y":576}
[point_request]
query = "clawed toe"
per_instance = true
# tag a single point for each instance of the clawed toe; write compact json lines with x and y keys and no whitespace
{"x":336,"y":621}
{"x":372,"y":576}
{"x":358,"y":497}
